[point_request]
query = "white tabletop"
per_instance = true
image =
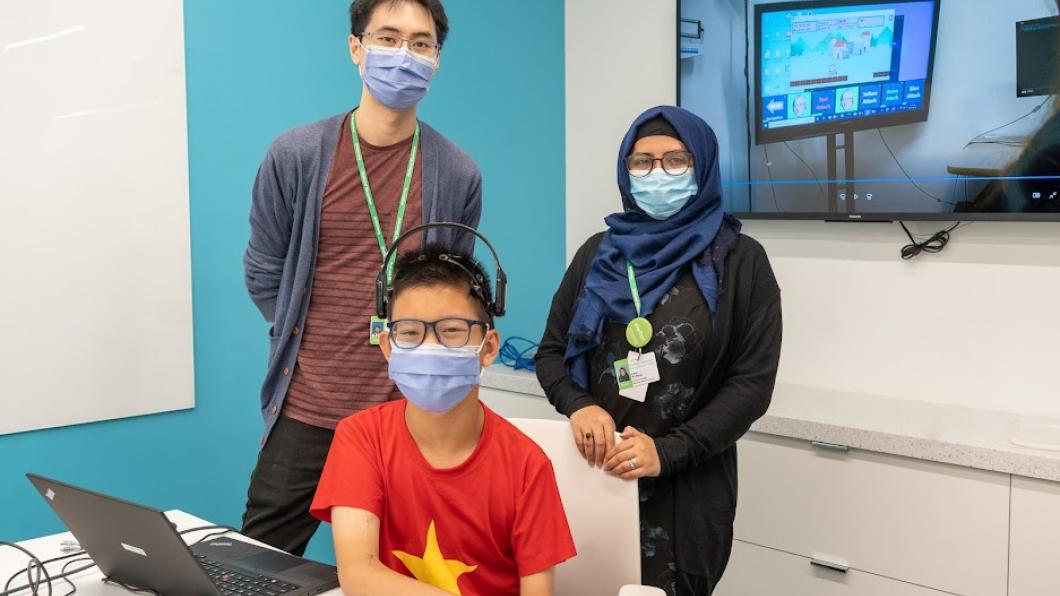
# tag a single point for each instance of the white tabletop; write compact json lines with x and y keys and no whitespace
{"x":90,"y":581}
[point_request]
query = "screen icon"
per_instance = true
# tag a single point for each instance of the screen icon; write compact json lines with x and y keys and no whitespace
{"x":1036,"y":195}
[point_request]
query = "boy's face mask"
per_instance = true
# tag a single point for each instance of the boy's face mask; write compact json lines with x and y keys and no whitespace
{"x":435,"y":378}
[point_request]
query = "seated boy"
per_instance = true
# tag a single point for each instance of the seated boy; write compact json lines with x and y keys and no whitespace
{"x":435,"y":494}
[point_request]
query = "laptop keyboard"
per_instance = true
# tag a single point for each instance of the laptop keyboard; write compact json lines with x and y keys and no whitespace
{"x":235,"y":583}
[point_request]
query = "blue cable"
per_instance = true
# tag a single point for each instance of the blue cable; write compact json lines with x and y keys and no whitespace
{"x":513,"y":357}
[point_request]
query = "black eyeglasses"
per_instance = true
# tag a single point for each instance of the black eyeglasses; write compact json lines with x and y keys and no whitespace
{"x":451,"y":333}
{"x":673,"y":163}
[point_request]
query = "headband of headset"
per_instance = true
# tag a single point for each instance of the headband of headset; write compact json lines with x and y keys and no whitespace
{"x":495,"y":305}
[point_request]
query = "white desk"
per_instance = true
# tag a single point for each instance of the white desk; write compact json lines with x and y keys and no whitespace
{"x":90,"y":581}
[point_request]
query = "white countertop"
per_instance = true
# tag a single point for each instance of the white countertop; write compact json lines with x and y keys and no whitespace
{"x":934,"y":432}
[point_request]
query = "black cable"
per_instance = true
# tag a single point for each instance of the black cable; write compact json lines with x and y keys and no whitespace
{"x":34,"y":586}
{"x":133,"y":589}
{"x":907,"y":176}
{"x":812,"y":173}
{"x":215,"y":527}
{"x":212,"y":535}
{"x":1036,"y":108}
{"x":63,"y":575}
{"x":66,"y":578}
{"x":934,"y":244}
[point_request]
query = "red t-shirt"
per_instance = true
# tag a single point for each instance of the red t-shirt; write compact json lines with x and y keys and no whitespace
{"x":478,"y":527}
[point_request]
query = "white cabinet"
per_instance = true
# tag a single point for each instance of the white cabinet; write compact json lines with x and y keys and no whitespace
{"x":931,"y":524}
{"x":1035,"y":542}
{"x":759,"y":571}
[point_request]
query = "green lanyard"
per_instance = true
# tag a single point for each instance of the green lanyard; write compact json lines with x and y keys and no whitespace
{"x":369,"y":198}
{"x":639,"y":330}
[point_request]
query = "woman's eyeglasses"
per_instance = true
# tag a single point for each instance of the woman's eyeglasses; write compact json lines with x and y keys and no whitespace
{"x":674,"y":163}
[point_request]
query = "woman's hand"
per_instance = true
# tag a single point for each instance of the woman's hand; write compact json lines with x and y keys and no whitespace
{"x":635,"y":457}
{"x":594,"y":433}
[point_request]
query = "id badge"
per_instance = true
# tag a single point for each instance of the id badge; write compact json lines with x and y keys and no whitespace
{"x":635,"y":373}
{"x":376,"y":327}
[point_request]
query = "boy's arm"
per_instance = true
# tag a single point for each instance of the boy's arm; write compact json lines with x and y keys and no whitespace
{"x":538,"y":584}
{"x":356,"y":534}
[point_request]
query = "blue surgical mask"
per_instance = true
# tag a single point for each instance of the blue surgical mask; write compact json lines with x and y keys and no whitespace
{"x":396,"y":77}
{"x":435,"y":378}
{"x":661,"y":195}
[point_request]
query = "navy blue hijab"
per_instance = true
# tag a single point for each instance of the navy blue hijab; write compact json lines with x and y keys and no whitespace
{"x":700,"y":235}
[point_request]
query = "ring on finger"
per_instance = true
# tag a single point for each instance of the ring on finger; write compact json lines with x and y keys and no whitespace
{"x":632,"y":463}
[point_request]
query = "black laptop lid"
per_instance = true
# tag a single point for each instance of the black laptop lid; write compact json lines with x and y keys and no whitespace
{"x":130,"y":543}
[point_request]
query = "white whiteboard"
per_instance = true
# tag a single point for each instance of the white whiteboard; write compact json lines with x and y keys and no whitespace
{"x":95,"y":257}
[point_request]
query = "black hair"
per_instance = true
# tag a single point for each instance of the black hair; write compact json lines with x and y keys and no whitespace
{"x":437,"y":265}
{"x":361,"y":12}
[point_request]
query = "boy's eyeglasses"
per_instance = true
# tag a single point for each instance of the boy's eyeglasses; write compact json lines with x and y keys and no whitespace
{"x":451,"y":333}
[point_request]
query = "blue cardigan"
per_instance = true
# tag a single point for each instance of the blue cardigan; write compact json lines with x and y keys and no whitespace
{"x":285,"y":228}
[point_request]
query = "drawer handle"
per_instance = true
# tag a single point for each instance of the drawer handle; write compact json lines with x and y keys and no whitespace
{"x":830,"y":446}
{"x":830,"y":566}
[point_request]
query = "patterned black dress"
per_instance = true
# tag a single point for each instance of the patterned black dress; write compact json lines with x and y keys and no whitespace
{"x":682,"y":325}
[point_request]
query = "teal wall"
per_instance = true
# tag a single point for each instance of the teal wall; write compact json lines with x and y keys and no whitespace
{"x":254,"y":69}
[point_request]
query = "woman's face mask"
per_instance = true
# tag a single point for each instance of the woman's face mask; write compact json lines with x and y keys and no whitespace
{"x":660,"y":194}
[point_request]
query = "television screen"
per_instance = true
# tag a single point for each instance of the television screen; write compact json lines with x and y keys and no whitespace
{"x":823,"y":67}
{"x":1036,"y":56}
{"x":877,"y":110}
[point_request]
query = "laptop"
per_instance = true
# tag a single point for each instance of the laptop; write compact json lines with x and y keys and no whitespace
{"x":139,"y":546}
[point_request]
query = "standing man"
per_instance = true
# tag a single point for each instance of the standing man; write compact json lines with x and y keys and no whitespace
{"x":328,"y":200}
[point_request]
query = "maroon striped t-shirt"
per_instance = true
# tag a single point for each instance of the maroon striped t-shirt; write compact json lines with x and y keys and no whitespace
{"x":338,"y":372}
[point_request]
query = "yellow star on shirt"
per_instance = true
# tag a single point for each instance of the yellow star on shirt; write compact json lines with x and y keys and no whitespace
{"x":432,"y":568}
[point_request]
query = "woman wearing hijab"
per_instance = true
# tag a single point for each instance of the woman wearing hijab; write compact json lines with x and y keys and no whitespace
{"x":673,"y":291}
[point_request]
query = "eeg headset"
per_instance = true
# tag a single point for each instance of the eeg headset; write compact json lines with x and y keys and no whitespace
{"x":384,"y":291}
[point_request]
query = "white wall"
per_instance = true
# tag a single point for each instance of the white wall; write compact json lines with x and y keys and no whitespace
{"x":619,"y":63}
{"x":976,"y":325}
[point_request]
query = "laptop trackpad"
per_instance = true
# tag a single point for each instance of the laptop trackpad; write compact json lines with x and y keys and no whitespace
{"x":271,"y":562}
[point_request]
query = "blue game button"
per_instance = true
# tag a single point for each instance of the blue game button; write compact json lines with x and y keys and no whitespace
{"x":870,"y":96}
{"x":774,"y":108}
{"x":914,"y":93}
{"x":823,"y":102}
{"x":892,"y":94}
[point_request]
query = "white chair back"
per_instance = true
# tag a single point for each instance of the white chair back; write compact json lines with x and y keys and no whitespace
{"x":603,"y":513}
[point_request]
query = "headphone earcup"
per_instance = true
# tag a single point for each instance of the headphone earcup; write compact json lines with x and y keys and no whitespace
{"x":500,"y":295}
{"x":381,"y":298}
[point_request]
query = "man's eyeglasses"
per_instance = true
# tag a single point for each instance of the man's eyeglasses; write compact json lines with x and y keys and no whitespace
{"x":451,"y":333}
{"x":674,"y":163}
{"x":424,"y":48}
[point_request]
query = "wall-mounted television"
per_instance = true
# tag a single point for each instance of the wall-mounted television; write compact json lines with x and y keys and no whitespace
{"x":878,"y":110}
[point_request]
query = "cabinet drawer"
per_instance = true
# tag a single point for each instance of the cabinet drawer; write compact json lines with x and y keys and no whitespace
{"x":758,"y":571}
{"x":931,"y":524}
{"x":1035,"y":537}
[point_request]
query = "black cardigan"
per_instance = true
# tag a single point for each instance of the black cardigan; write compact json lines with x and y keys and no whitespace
{"x":735,"y":386}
